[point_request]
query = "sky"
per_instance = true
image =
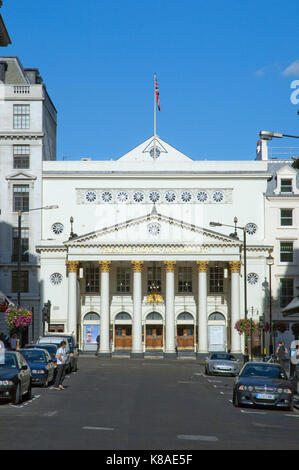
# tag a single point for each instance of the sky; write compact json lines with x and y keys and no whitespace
{"x":224,"y":69}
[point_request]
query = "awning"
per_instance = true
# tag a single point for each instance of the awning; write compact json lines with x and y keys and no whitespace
{"x":292,"y":307}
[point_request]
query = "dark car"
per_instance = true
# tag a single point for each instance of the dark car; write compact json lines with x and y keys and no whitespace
{"x":51,"y":348}
{"x":41,"y":365}
{"x":73,"y":348}
{"x":222,"y":363}
{"x":263,"y":384}
{"x":15,"y":377}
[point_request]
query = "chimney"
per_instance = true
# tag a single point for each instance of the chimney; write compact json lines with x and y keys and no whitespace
{"x":33,"y":76}
{"x":262,"y":150}
{"x":3,"y":68}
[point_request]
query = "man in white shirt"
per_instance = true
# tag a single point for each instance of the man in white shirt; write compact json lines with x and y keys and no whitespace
{"x":61,"y":360}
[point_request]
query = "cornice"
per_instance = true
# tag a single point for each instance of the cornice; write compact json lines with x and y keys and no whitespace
{"x":21,"y":136}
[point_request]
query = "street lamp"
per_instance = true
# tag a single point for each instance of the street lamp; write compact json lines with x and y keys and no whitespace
{"x":270,"y":262}
{"x":269,"y":135}
{"x":20,"y":246}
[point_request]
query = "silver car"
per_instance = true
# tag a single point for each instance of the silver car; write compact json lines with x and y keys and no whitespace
{"x":222,"y":363}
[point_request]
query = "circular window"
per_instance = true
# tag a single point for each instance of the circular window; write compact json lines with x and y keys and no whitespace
{"x":90,"y":196}
{"x":252,"y":278}
{"x":251,"y":228}
{"x":56,"y":279}
{"x":57,"y":228}
{"x":202,"y":196}
{"x":170,"y":196}
{"x":154,"y":196}
{"x":138,"y":196}
{"x":106,"y":196}
{"x":122,"y":196}
{"x":158,"y":152}
{"x":186,"y":196}
{"x":154,"y":228}
{"x":218,"y":196}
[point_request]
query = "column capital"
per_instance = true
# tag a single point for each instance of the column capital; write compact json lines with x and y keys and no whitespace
{"x":202,"y":266}
{"x":105,"y":266}
{"x":235,"y":266}
{"x":72,"y":266}
{"x":137,"y":266}
{"x":170,"y":266}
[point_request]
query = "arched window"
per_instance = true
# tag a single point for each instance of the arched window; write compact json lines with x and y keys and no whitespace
{"x":92,"y":316}
{"x":123,"y":316}
{"x":216,"y":316}
{"x":154,"y":316}
{"x":185,"y":316}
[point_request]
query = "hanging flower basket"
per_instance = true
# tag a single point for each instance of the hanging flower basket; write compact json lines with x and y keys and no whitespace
{"x":281,"y":326}
{"x":243,"y":327}
{"x":18,"y":318}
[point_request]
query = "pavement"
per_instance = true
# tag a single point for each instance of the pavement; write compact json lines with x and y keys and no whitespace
{"x":143,"y":404}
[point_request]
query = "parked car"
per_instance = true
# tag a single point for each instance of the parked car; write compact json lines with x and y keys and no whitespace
{"x":15,"y":377}
{"x":51,"y":348}
{"x":41,"y":365}
{"x":222,"y":363}
{"x":57,"y":341}
{"x":74,"y":351}
{"x":265,"y":384}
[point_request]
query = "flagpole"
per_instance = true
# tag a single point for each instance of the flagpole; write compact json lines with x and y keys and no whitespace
{"x":155,"y":117}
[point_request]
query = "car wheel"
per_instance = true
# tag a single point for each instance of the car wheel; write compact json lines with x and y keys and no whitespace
{"x":236,"y":401}
{"x":207,"y":371}
{"x":291,"y":407}
{"x":29,"y":393}
{"x":18,"y":397}
{"x":46,"y":384}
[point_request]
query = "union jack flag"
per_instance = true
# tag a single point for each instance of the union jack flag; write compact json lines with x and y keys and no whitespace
{"x":157,"y":93}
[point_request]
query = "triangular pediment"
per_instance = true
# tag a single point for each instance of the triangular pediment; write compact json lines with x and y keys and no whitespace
{"x":20,"y":175}
{"x":153,"y":228}
{"x":155,"y":146}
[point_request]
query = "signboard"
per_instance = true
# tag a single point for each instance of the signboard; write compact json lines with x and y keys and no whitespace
{"x":91,"y":333}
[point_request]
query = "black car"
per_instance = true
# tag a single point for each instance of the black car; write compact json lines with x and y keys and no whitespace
{"x":74,"y":352}
{"x":41,"y":365}
{"x":51,"y":348}
{"x":15,"y":377}
{"x":265,"y":384}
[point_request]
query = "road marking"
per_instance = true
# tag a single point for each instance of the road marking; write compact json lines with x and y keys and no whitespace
{"x":225,"y":393}
{"x":263,"y":425}
{"x":93,"y":428}
{"x":51,"y":413}
{"x":190,"y":437}
{"x":253,"y":412}
{"x":199,"y":373}
{"x":293,"y":416}
{"x":184,"y":382}
{"x":215,"y":381}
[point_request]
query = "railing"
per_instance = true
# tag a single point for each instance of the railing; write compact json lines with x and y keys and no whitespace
{"x":21,"y":89}
{"x":287,"y":153}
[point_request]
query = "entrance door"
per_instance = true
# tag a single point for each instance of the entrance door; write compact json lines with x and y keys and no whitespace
{"x":185,"y":337}
{"x":123,"y":337}
{"x":217,"y":337}
{"x":154,"y":337}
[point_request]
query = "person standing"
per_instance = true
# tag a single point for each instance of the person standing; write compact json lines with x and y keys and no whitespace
{"x":13,"y":341}
{"x":61,"y":360}
{"x":281,"y":353}
{"x":98,"y":345}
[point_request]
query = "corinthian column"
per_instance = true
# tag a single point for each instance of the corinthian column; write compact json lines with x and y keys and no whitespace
{"x":235,"y":305}
{"x":169,"y":311}
{"x":72,"y":297}
{"x":137,"y":350}
{"x":202,"y":267}
{"x":105,"y":309}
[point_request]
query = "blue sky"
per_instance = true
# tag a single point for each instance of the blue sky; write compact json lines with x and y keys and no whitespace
{"x":224,"y":70}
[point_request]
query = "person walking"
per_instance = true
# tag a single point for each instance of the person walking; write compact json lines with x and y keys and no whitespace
{"x":98,"y":345}
{"x":60,"y":373}
{"x":176,"y":345}
{"x":281,"y":352}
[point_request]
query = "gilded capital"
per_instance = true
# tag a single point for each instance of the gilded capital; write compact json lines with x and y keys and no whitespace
{"x":202,"y":266}
{"x":72,"y":266}
{"x":235,"y":266}
{"x":105,"y":266}
{"x":170,"y":266}
{"x":137,"y":266}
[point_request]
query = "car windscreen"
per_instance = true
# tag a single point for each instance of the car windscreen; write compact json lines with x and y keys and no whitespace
{"x":222,"y":357}
{"x":51,"y":348}
{"x":8,"y":361}
{"x":264,"y":370}
{"x":34,"y":355}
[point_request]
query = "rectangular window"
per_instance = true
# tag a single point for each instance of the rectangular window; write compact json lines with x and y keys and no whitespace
{"x":123,"y":280}
{"x":21,"y":198}
{"x":286,"y":252}
{"x":24,"y":244}
{"x":21,"y":154}
{"x":286,"y":291}
{"x":154,"y":282}
{"x":216,"y":279}
{"x":286,"y":217}
{"x":286,"y":186}
{"x":185,"y":279}
{"x":24,"y":281}
{"x":92,"y":280}
{"x":21,"y":116}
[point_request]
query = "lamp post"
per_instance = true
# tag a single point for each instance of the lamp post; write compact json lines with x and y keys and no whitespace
{"x":234,"y":235}
{"x":269,"y":135}
{"x":20,"y":248}
{"x":270,"y":262}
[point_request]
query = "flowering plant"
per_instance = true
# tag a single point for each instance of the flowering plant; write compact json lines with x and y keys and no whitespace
{"x":18,"y":317}
{"x":243,"y":327}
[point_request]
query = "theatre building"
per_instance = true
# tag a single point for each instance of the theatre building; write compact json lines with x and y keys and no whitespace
{"x":130,"y":254}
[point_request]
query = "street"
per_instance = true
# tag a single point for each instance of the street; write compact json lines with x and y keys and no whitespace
{"x":152,"y":404}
